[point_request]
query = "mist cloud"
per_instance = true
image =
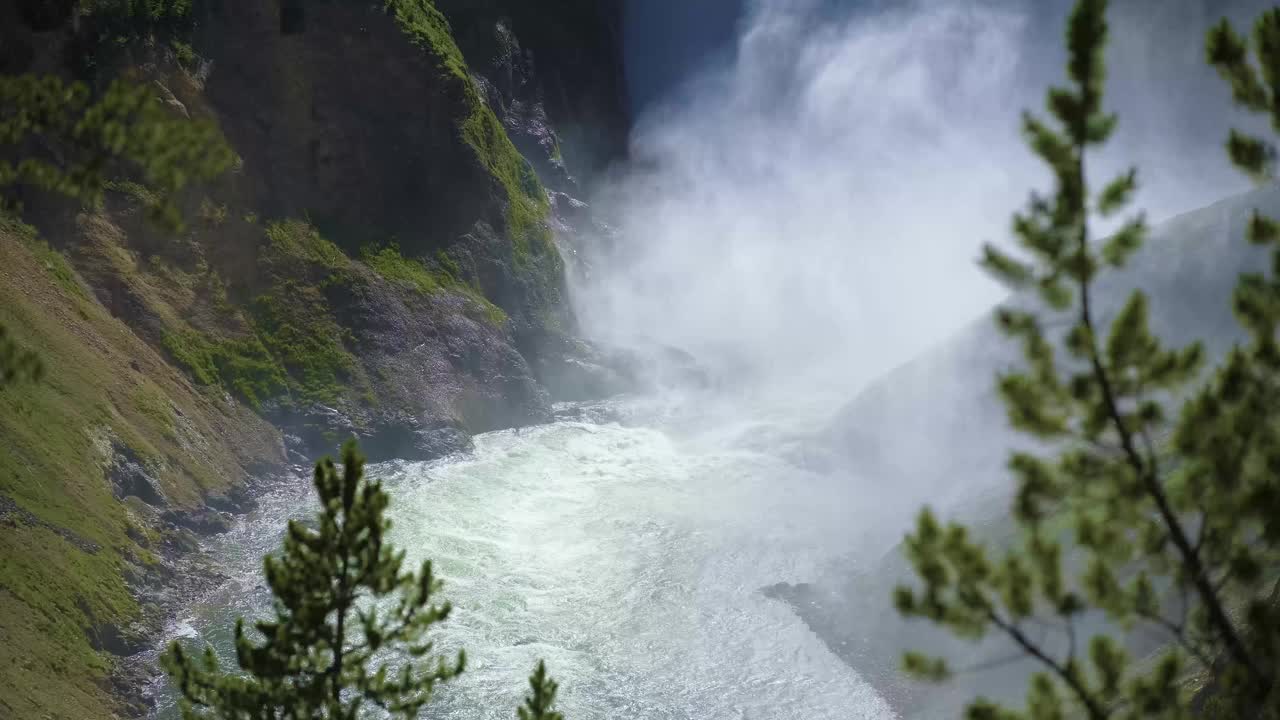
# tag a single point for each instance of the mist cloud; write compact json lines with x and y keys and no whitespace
{"x":818,"y":203}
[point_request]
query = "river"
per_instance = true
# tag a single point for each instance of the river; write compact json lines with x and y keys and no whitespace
{"x":627,"y":547}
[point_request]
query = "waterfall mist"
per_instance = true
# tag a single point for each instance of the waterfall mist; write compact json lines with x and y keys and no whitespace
{"x":811,"y":208}
{"x":805,"y":218}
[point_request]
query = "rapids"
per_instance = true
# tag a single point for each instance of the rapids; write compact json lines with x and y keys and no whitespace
{"x":629,"y":552}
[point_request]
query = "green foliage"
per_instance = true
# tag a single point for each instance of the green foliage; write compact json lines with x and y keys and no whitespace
{"x":295,"y":325}
{"x":537,"y":705}
{"x":448,"y":264}
{"x":414,"y":275}
{"x":138,"y":13}
{"x":133,"y":190}
{"x":66,"y":541}
{"x":17,"y":363}
{"x":211,"y":214}
{"x":184,"y":53}
{"x":527,"y":204}
{"x":342,"y":600}
{"x":294,"y":241}
{"x":535,"y":260}
{"x":111,"y":28}
{"x":124,"y":129}
{"x":1170,"y":513}
{"x":242,"y":366}
{"x":55,"y":264}
{"x":350,"y":628}
{"x":427,"y":27}
{"x":411,"y":274}
{"x":295,"y":349}
{"x":491,"y":313}
{"x":292,"y":316}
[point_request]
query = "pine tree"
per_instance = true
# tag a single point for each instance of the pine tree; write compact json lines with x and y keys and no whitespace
{"x":1162,"y":485}
{"x":60,"y":137}
{"x":537,"y":706}
{"x":350,"y":628}
{"x":341,"y":600}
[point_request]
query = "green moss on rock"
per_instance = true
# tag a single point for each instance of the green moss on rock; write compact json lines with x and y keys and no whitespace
{"x":242,"y":366}
{"x":50,"y":260}
{"x":292,"y":241}
{"x":295,"y":348}
{"x":527,"y":204}
{"x":526,"y":200}
{"x":296,"y":326}
{"x":414,"y":275}
{"x":408,"y":273}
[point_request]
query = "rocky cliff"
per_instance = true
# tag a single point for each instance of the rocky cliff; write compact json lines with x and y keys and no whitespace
{"x":382,"y":262}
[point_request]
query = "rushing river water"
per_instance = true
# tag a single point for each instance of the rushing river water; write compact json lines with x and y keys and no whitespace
{"x":629,"y":554}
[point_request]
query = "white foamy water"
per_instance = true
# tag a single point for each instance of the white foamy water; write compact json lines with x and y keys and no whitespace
{"x":629,"y":556}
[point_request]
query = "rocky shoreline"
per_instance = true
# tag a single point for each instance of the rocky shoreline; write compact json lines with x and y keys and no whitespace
{"x":182,"y":568}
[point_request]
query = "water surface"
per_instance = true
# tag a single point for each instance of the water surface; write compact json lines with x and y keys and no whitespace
{"x":629,"y":555}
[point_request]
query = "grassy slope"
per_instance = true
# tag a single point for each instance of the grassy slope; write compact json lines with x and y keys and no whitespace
{"x":66,"y":547}
{"x":63,"y":570}
{"x":287,"y":343}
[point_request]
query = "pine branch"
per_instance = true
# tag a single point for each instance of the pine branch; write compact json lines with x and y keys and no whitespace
{"x":1091,"y":704}
{"x":1151,"y":483}
{"x":538,"y":704}
{"x":1178,"y":632}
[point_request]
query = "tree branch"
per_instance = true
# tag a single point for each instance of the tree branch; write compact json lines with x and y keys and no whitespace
{"x":1150,"y":483}
{"x":1091,"y":704}
{"x":1178,"y":632}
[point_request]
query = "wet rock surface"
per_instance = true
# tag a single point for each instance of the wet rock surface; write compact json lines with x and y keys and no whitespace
{"x":129,"y":477}
{"x":553,"y":72}
{"x":176,"y":568}
{"x":575,"y":370}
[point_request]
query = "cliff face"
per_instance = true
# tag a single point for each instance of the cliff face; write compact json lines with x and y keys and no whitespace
{"x":553,"y":73}
{"x":381,"y":262}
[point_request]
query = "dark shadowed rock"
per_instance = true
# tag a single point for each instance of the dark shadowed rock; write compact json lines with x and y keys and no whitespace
{"x":45,"y":15}
{"x":128,"y":477}
{"x":554,"y":76}
{"x":203,"y":521}
{"x":119,"y":641}
{"x":575,"y":370}
{"x":237,"y":499}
